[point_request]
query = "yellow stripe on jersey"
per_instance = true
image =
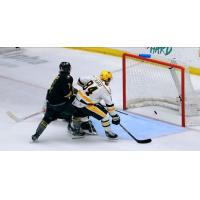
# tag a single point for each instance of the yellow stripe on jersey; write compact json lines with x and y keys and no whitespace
{"x":69,"y":95}
{"x":106,"y":124}
{"x":85,"y":98}
{"x":70,"y":92}
{"x":96,"y":110}
{"x":44,"y":123}
{"x":111,"y":109}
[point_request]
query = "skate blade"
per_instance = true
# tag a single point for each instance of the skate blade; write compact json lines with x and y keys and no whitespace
{"x":89,"y":133}
{"x":112,"y":139}
{"x":77,"y":137}
{"x":33,"y":142}
{"x":92,"y":134}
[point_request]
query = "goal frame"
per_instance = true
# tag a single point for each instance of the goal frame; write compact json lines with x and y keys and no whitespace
{"x":162,"y":63}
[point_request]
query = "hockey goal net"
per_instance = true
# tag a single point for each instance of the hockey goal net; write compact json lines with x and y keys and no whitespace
{"x":151,"y":82}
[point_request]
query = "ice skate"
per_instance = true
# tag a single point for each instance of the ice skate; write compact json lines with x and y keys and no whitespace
{"x":88,"y":128}
{"x":35,"y":137}
{"x":111,"y":135}
{"x":75,"y":131}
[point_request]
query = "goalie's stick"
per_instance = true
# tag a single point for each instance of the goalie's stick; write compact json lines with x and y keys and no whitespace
{"x":144,"y":141}
{"x":17,"y":119}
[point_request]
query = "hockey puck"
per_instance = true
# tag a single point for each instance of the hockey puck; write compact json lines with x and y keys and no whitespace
{"x":155,"y":112}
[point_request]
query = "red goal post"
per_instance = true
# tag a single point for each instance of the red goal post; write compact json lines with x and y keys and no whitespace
{"x":167,"y":65}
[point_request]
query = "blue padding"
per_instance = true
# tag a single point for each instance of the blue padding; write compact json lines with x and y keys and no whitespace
{"x":145,"y":55}
{"x":140,"y":127}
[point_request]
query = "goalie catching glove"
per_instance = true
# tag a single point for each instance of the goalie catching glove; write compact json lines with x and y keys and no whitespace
{"x":116,"y":119}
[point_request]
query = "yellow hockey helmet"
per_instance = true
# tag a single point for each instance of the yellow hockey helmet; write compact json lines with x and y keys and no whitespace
{"x":106,"y":75}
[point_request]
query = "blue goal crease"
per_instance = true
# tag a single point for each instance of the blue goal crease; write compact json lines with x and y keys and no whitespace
{"x":140,"y":127}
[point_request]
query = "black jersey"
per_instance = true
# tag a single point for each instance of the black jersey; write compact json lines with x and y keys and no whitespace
{"x":61,"y":89}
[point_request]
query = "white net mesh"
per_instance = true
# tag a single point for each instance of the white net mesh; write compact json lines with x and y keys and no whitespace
{"x":151,"y":84}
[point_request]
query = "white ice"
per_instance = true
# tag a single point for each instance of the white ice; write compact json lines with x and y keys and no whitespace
{"x":23,"y":88}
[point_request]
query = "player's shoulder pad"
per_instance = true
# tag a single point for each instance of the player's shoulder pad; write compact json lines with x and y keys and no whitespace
{"x":69,"y":78}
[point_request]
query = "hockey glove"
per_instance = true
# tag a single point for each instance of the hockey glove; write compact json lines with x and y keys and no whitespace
{"x":116,"y":119}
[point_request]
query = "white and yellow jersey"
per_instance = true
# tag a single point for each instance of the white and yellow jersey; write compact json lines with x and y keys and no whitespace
{"x":93,"y":92}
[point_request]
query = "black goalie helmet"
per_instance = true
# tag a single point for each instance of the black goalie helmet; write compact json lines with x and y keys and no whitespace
{"x":65,"y":67}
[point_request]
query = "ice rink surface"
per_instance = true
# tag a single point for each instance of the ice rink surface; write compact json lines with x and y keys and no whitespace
{"x":24,"y":80}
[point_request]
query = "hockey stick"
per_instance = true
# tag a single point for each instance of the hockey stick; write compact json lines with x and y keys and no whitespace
{"x":122,"y":112}
{"x":17,"y":119}
{"x":137,"y":140}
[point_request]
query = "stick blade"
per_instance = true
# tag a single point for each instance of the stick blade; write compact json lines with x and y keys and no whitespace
{"x":13,"y":116}
{"x":144,"y":141}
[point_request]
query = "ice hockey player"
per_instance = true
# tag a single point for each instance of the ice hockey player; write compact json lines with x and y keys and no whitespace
{"x":59,"y":99}
{"x":94,"y":90}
